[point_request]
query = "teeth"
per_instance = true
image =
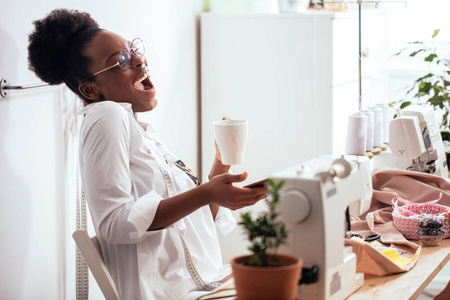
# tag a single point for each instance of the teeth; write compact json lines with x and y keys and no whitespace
{"x":142,"y":78}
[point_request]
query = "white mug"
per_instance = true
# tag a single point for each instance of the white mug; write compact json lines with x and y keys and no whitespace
{"x":231,"y":136}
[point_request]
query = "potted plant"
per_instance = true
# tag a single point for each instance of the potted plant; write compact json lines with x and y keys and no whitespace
{"x":264,"y":274}
{"x":432,"y":88}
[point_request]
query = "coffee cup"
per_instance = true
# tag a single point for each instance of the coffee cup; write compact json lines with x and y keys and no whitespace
{"x":231,"y":137}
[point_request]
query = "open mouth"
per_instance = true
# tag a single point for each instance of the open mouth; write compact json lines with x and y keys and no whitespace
{"x":143,"y":83}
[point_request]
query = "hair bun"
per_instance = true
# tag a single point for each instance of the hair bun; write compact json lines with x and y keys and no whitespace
{"x":52,"y":40}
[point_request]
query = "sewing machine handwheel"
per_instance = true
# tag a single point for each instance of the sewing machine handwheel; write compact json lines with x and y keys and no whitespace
{"x":294,"y":205}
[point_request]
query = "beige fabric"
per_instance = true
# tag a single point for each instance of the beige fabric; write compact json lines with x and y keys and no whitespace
{"x":409,"y":185}
{"x":388,"y":184}
{"x":370,"y":259}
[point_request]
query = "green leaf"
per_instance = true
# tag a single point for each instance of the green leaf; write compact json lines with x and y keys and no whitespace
{"x":405,"y":104}
{"x":445,"y":119}
{"x":391,"y":104}
{"x":411,"y":89}
{"x":436,"y":31}
{"x":445,"y":135}
{"x":418,"y":95}
{"x":436,"y":101}
{"x":415,"y":52}
{"x":425,"y":77}
{"x":436,"y":98}
{"x":430,"y":57}
{"x":279,"y":185}
{"x":399,"y":52}
{"x":437,"y":87}
{"x":424,"y":88}
{"x":264,"y":233}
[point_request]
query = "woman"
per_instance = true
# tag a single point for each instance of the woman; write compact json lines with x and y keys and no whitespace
{"x":154,"y":222}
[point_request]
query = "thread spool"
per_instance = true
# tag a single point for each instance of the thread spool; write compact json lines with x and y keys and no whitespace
{"x":369,"y":135}
{"x":356,"y":134}
{"x":385,"y":109}
{"x":377,"y":126}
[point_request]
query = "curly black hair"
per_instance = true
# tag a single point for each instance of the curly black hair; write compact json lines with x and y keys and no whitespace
{"x":55,"y":50}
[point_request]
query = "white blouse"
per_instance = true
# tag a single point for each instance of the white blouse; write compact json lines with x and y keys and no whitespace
{"x":126,"y":172}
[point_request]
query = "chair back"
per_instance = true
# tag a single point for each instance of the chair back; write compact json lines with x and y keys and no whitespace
{"x":90,"y":249}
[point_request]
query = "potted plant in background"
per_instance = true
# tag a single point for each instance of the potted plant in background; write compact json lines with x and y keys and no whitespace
{"x":264,"y":274}
{"x":432,"y":88}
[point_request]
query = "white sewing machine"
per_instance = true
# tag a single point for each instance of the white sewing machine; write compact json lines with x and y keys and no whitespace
{"x":415,"y":140}
{"x":313,"y":204}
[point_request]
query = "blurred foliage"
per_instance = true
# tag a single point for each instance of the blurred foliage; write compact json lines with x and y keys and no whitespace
{"x":265,"y":233}
{"x":432,"y":88}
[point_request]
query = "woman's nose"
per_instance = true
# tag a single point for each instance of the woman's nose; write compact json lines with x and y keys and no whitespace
{"x":137,"y":61}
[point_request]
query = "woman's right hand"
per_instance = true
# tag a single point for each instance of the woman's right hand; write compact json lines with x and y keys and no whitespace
{"x":221,"y":191}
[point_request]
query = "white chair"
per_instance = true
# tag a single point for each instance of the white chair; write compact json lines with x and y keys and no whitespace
{"x":90,"y":249}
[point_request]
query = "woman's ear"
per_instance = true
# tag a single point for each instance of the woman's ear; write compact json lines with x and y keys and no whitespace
{"x":89,"y":90}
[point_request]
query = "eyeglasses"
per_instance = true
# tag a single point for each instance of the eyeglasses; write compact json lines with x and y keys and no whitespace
{"x":123,"y":58}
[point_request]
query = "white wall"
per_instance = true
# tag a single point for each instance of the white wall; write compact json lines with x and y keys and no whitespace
{"x":37,"y":254}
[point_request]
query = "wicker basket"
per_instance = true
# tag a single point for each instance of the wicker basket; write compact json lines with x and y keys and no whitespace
{"x":406,"y":217}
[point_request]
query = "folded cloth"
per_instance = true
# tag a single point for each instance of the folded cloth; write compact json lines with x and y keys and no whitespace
{"x":413,"y":186}
{"x":376,"y":258}
{"x":394,"y":253}
{"x":416,"y":187}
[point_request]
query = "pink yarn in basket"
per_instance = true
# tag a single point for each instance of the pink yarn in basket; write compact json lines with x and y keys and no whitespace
{"x":406,"y":217}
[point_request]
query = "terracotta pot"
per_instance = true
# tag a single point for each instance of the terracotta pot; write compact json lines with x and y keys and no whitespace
{"x":269,"y":283}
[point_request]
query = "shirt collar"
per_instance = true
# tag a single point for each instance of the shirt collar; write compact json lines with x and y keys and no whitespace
{"x":127,"y":106}
{"x":89,"y":107}
{"x":150,"y":128}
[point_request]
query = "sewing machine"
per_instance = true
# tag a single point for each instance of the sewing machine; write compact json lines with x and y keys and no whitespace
{"x":313,"y":204}
{"x":415,"y":141}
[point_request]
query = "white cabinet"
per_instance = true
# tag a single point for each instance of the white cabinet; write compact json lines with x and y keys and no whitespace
{"x":294,"y":77}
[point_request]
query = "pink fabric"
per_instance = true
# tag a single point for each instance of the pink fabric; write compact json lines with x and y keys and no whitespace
{"x":413,"y":186}
{"x":388,"y":184}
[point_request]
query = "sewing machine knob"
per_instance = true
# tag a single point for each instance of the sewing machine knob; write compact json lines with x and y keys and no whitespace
{"x":341,"y":168}
{"x":294,"y":206}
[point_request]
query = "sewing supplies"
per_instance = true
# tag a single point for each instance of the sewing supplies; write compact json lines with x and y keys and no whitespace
{"x":356,"y":134}
{"x":406,"y":217}
{"x":377,"y":126}
{"x":430,"y":230}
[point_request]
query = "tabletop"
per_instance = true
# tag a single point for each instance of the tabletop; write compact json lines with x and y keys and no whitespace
{"x":407,"y":285}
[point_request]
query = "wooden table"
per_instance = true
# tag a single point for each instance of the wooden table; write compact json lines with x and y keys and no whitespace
{"x":402,"y":286}
{"x":407,"y":285}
